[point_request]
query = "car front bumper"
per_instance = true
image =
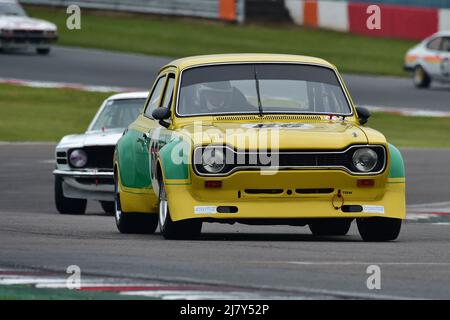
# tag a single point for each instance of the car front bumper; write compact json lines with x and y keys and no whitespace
{"x":24,"y":42}
{"x":87,"y":184}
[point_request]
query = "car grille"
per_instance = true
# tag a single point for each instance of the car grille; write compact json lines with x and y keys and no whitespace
{"x":99,"y":157}
{"x":292,"y":159}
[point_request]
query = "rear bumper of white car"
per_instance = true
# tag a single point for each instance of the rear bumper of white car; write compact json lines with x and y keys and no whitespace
{"x":87,"y":184}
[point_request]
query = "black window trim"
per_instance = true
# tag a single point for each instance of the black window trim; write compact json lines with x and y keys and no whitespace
{"x":151,"y":93}
{"x":341,"y":83}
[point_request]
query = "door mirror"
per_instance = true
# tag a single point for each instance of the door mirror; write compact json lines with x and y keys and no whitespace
{"x":363,"y":115}
{"x":161,"y":113}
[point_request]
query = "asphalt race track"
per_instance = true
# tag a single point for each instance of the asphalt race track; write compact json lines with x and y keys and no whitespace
{"x":277,"y":259}
{"x":96,"y":67}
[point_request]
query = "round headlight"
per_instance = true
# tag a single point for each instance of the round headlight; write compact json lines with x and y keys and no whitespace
{"x":365,"y":159}
{"x":213,"y":159}
{"x":78,"y":158}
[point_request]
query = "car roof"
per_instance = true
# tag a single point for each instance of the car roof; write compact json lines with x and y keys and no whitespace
{"x":445,"y":33}
{"x":129,"y":95}
{"x":9,"y":1}
{"x":192,"y":61}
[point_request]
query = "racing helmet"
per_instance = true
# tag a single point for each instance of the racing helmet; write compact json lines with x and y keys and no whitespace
{"x":215,"y":96}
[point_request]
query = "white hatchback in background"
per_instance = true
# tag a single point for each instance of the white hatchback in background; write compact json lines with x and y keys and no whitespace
{"x":84,"y":162}
{"x":18,"y":31}
{"x":430,"y":60}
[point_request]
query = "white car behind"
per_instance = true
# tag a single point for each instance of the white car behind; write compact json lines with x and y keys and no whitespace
{"x":430,"y":60}
{"x":18,"y":31}
{"x":84,"y":162}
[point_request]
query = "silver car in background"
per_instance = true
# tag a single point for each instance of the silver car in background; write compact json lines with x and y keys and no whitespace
{"x":84,"y":162}
{"x":430,"y":60}
{"x":18,"y":31}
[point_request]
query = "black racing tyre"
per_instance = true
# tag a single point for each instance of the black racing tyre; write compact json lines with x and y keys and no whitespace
{"x":185,"y":229}
{"x":421,"y":78}
{"x":330,"y":227}
{"x":379,"y":229}
{"x":108,"y":207}
{"x":43,"y":51}
{"x":67,"y":205}
{"x":129,"y":222}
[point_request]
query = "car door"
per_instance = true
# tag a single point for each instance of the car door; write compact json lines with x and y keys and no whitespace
{"x":134,"y":145}
{"x":431,"y":60}
{"x":159,"y":134}
{"x":445,"y":59}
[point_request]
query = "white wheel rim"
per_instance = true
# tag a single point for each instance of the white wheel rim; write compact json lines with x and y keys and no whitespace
{"x":418,"y":76}
{"x":163,"y":207}
{"x":117,"y":207}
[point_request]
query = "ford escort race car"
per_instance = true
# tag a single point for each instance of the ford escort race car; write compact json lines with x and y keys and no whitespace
{"x":84,"y":162}
{"x":430,"y":60}
{"x":256,"y":139}
{"x":18,"y":31}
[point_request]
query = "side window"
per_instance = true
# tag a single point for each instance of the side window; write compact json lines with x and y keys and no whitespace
{"x":446,"y":45}
{"x":168,"y":95}
{"x":434,"y":44}
{"x":155,"y":97}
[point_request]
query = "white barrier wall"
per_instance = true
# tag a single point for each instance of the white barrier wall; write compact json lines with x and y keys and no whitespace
{"x":333,"y":15}
{"x":444,"y":19}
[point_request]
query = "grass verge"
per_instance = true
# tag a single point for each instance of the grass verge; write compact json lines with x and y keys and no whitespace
{"x":176,"y":37}
{"x":28,"y":292}
{"x":34,"y":114}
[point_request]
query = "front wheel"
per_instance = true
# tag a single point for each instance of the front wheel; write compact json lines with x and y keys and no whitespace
{"x":379,"y":229}
{"x":43,"y":51}
{"x":185,"y":229}
{"x":129,"y":222}
{"x":67,"y":205}
{"x":330,"y":227}
{"x":108,"y":207}
{"x":420,"y":78}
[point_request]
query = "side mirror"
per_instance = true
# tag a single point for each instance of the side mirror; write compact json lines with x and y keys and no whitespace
{"x":363,"y":115}
{"x":162,"y":114}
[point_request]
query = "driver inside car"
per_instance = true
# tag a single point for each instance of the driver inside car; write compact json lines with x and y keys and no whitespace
{"x":220,"y":96}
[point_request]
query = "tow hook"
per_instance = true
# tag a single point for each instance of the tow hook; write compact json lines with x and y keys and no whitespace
{"x":338,"y":200}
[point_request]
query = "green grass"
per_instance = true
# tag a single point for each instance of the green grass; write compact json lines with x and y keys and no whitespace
{"x":32,"y":114}
{"x":177,"y":37}
{"x":28,"y":292}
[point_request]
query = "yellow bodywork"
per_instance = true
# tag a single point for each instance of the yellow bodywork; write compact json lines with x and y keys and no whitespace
{"x":184,"y":195}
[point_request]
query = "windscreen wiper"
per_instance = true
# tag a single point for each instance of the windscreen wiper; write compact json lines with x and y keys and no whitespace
{"x":258,"y":94}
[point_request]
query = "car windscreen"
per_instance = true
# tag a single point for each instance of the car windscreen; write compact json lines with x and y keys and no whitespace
{"x":118,"y":114}
{"x":11,"y":9}
{"x":261,"y":88}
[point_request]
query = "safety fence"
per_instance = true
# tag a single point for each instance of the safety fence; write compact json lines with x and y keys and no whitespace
{"x":405,"y":19}
{"x":227,"y":10}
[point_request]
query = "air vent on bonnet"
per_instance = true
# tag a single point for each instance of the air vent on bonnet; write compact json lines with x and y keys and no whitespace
{"x":269,"y":117}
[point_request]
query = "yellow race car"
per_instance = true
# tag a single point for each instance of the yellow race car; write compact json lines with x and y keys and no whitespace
{"x":256,"y":139}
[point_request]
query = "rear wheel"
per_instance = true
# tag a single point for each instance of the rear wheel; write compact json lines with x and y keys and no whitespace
{"x":129,"y":222}
{"x":67,"y":205}
{"x":330,"y":227}
{"x":379,"y":229}
{"x":420,"y":78}
{"x":185,"y":229}
{"x":108,"y":207}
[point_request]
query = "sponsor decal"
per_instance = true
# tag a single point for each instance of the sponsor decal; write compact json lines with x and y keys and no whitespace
{"x":373,"y":209}
{"x":205,"y":209}
{"x":291,"y":125}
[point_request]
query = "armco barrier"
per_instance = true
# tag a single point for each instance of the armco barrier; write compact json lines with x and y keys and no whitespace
{"x":228,"y":10}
